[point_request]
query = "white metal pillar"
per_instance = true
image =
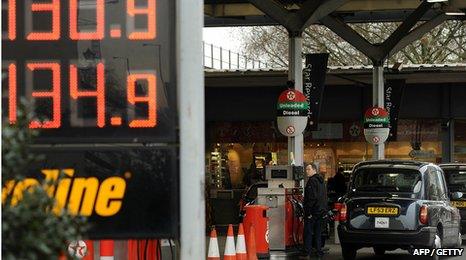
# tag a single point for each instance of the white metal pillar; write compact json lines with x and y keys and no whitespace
{"x":378,"y":101}
{"x":295,"y":73}
{"x":190,"y":82}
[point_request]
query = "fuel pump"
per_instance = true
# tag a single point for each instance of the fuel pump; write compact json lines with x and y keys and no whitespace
{"x":284,"y":199}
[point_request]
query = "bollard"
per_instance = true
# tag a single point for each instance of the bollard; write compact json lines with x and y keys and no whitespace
{"x":337,"y":207}
{"x":106,"y":250}
{"x":90,"y":250}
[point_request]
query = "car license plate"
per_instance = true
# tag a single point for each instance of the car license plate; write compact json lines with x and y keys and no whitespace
{"x":382,"y":222}
{"x":382,"y":211}
{"x":459,"y":204}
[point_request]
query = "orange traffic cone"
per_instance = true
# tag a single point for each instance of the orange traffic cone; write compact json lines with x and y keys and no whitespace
{"x":214,"y":253}
{"x":252,"y":252}
{"x":230,"y":252}
{"x":241,"y":253}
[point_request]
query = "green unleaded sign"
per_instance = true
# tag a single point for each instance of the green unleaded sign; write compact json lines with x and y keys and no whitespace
{"x":292,"y":109}
{"x":376,"y":121}
{"x":376,"y":117}
{"x":292,"y":103}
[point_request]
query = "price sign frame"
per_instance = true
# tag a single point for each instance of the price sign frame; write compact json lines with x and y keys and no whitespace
{"x":21,"y":35}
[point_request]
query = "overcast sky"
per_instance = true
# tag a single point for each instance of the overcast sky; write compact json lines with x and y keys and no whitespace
{"x":225,"y":37}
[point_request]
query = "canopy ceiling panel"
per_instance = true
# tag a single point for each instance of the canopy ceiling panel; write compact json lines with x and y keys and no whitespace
{"x":243,"y":13}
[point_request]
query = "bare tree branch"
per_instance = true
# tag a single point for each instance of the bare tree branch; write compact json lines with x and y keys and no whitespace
{"x":446,"y":43}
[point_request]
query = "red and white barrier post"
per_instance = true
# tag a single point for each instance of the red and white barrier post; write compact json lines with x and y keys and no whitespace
{"x":337,"y":222}
{"x":107,"y":250}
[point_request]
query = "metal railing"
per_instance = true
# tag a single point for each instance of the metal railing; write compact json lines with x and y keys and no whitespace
{"x":216,"y":57}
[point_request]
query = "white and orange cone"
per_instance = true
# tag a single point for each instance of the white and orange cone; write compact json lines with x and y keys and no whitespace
{"x":241,"y":253}
{"x":230,"y":251}
{"x":214,"y":253}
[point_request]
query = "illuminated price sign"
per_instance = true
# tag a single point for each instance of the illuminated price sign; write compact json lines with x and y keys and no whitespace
{"x":91,"y":70}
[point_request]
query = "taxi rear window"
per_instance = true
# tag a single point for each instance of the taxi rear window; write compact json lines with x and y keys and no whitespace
{"x":387,"y":180}
{"x":456,"y":180}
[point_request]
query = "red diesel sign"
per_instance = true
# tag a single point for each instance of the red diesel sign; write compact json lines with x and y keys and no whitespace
{"x":292,"y":110}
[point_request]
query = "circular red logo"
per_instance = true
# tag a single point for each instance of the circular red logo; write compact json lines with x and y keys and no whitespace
{"x":290,"y":130}
{"x":77,"y":249}
{"x":375,"y":112}
{"x":376,"y":139}
{"x":290,"y":95}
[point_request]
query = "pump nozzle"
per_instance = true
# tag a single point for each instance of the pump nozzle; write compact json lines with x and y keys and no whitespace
{"x":292,"y":158}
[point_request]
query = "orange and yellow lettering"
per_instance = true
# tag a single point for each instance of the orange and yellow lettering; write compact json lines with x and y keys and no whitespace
{"x":7,"y":189}
{"x":63,"y":189}
{"x":51,"y":177}
{"x":83,"y":192}
{"x":111,"y":193}
{"x":20,"y":188}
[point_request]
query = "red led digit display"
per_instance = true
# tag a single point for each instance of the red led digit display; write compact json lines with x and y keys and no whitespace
{"x":149,"y":99}
{"x":54,"y":94}
{"x":11,"y":20}
{"x":54,"y":8}
{"x":91,"y":69}
{"x":99,"y":93}
{"x":98,"y":34}
{"x":148,"y":11}
{"x":12,"y":94}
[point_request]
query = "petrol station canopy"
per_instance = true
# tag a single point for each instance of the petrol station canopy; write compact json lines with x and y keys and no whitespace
{"x":219,"y":13}
{"x":415,"y":17}
{"x":339,"y":75}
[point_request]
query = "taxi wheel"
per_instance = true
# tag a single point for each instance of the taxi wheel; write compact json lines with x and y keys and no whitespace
{"x":348,"y":252}
{"x":379,"y":251}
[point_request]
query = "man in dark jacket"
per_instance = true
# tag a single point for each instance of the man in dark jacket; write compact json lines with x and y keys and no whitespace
{"x":340,"y":182}
{"x":315,"y":208}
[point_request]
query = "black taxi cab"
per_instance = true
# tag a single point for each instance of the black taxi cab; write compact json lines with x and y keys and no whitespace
{"x":395,"y":204}
{"x":455,"y":174}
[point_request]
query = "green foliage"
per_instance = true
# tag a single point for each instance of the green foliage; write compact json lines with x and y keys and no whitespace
{"x":15,"y":146}
{"x":30,"y":230}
